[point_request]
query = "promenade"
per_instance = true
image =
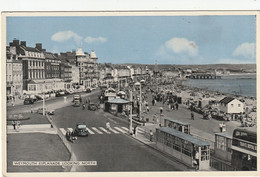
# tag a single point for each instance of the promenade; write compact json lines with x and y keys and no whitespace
{"x":202,"y":128}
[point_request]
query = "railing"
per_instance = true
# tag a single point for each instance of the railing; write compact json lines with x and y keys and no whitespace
{"x":220,"y":164}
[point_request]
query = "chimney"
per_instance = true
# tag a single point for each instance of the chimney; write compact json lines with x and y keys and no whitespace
{"x":56,"y":55}
{"x":38,"y":46}
{"x":11,"y":44}
{"x":23,"y":43}
{"x":16,"y":42}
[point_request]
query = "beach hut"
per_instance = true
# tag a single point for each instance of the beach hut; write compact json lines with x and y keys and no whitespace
{"x":231,"y":105}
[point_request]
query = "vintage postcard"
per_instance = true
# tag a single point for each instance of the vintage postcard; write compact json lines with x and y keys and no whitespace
{"x":162,"y":92}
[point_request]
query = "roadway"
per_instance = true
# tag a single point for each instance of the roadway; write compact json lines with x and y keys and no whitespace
{"x":113,"y":150}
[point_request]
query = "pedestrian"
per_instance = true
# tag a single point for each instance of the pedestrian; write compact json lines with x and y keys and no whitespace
{"x":147,"y":108}
{"x":161,"y":110}
{"x":153,"y":102}
{"x":197,"y":159}
{"x":83,"y":106}
{"x":192,"y":115}
{"x":14,"y":124}
{"x":18,"y":124}
{"x":177,"y":106}
{"x":134,"y":131}
{"x":88,"y":100}
{"x":151,"y":135}
{"x":108,"y":125}
{"x":221,"y":127}
{"x":31,"y":109}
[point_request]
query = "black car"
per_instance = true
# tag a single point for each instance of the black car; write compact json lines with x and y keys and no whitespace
{"x":81,"y":130}
{"x":88,"y":90}
{"x":28,"y":101}
{"x":92,"y":107}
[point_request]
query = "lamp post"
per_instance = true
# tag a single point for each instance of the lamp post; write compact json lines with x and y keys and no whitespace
{"x":43,"y":100}
{"x":140,"y":105}
{"x":130,"y":115}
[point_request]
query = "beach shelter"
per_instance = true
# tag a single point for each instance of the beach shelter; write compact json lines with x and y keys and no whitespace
{"x":118,"y":104}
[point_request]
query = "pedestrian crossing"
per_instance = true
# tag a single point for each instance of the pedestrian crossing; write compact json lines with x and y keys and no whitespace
{"x":102,"y":130}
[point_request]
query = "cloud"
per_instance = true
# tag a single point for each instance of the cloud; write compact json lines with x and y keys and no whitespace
{"x":182,"y":46}
{"x":246,"y":50}
{"x":95,"y":40}
{"x":234,"y":61}
{"x":62,"y":36}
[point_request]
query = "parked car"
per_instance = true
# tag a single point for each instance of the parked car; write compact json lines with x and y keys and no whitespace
{"x":92,"y":107}
{"x":61,"y":93}
{"x":76,"y":103}
{"x":38,"y":97}
{"x":49,"y":112}
{"x":88,"y":90}
{"x":81,"y":130}
{"x":28,"y":101}
{"x":77,"y":97}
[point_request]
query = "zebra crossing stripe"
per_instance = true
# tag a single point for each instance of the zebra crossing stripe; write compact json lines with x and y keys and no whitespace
{"x":112,"y":130}
{"x":70,"y":129}
{"x":104,"y":130}
{"x":90,"y":131}
{"x":96,"y":130}
{"x":63,"y":131}
{"x":120,"y":130}
{"x":125,"y":128}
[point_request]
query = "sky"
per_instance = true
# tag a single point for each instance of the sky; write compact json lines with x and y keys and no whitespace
{"x":143,"y":39}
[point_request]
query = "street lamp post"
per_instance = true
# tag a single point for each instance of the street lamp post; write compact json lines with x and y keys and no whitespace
{"x":43,"y":100}
{"x":140,"y":105}
{"x":130,"y":115}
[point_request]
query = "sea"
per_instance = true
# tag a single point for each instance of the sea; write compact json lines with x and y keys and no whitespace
{"x":244,"y":85}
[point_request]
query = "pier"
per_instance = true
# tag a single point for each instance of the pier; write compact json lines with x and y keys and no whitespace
{"x":204,"y":76}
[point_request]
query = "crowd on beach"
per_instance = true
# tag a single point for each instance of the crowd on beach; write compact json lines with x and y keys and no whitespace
{"x":170,"y":96}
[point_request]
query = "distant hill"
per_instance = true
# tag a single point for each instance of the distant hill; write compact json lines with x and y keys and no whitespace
{"x":229,"y":67}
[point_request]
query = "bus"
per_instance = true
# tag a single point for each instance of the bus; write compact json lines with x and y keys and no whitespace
{"x":244,"y":149}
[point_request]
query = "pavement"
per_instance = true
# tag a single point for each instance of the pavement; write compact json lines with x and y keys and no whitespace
{"x":33,"y":128}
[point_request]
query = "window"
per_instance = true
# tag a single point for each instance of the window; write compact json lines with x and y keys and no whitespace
{"x":238,"y":105}
{"x":232,"y":105}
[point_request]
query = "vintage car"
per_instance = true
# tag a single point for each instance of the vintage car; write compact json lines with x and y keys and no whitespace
{"x":92,"y":107}
{"x":81,"y":130}
{"x":76,"y":103}
{"x":28,"y":101}
{"x":47,"y":111}
{"x":88,"y":90}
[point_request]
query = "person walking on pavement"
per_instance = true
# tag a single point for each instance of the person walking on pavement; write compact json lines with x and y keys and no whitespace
{"x":161,"y":110}
{"x":197,"y":159}
{"x":108,"y":125}
{"x":151,"y":135}
{"x":147,"y":108}
{"x":18,"y":124}
{"x":221,"y":127}
{"x":192,"y":115}
{"x":134,"y":131}
{"x":177,"y":106}
{"x":14,"y":124}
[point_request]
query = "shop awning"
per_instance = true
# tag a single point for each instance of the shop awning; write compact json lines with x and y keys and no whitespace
{"x":118,"y":101}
